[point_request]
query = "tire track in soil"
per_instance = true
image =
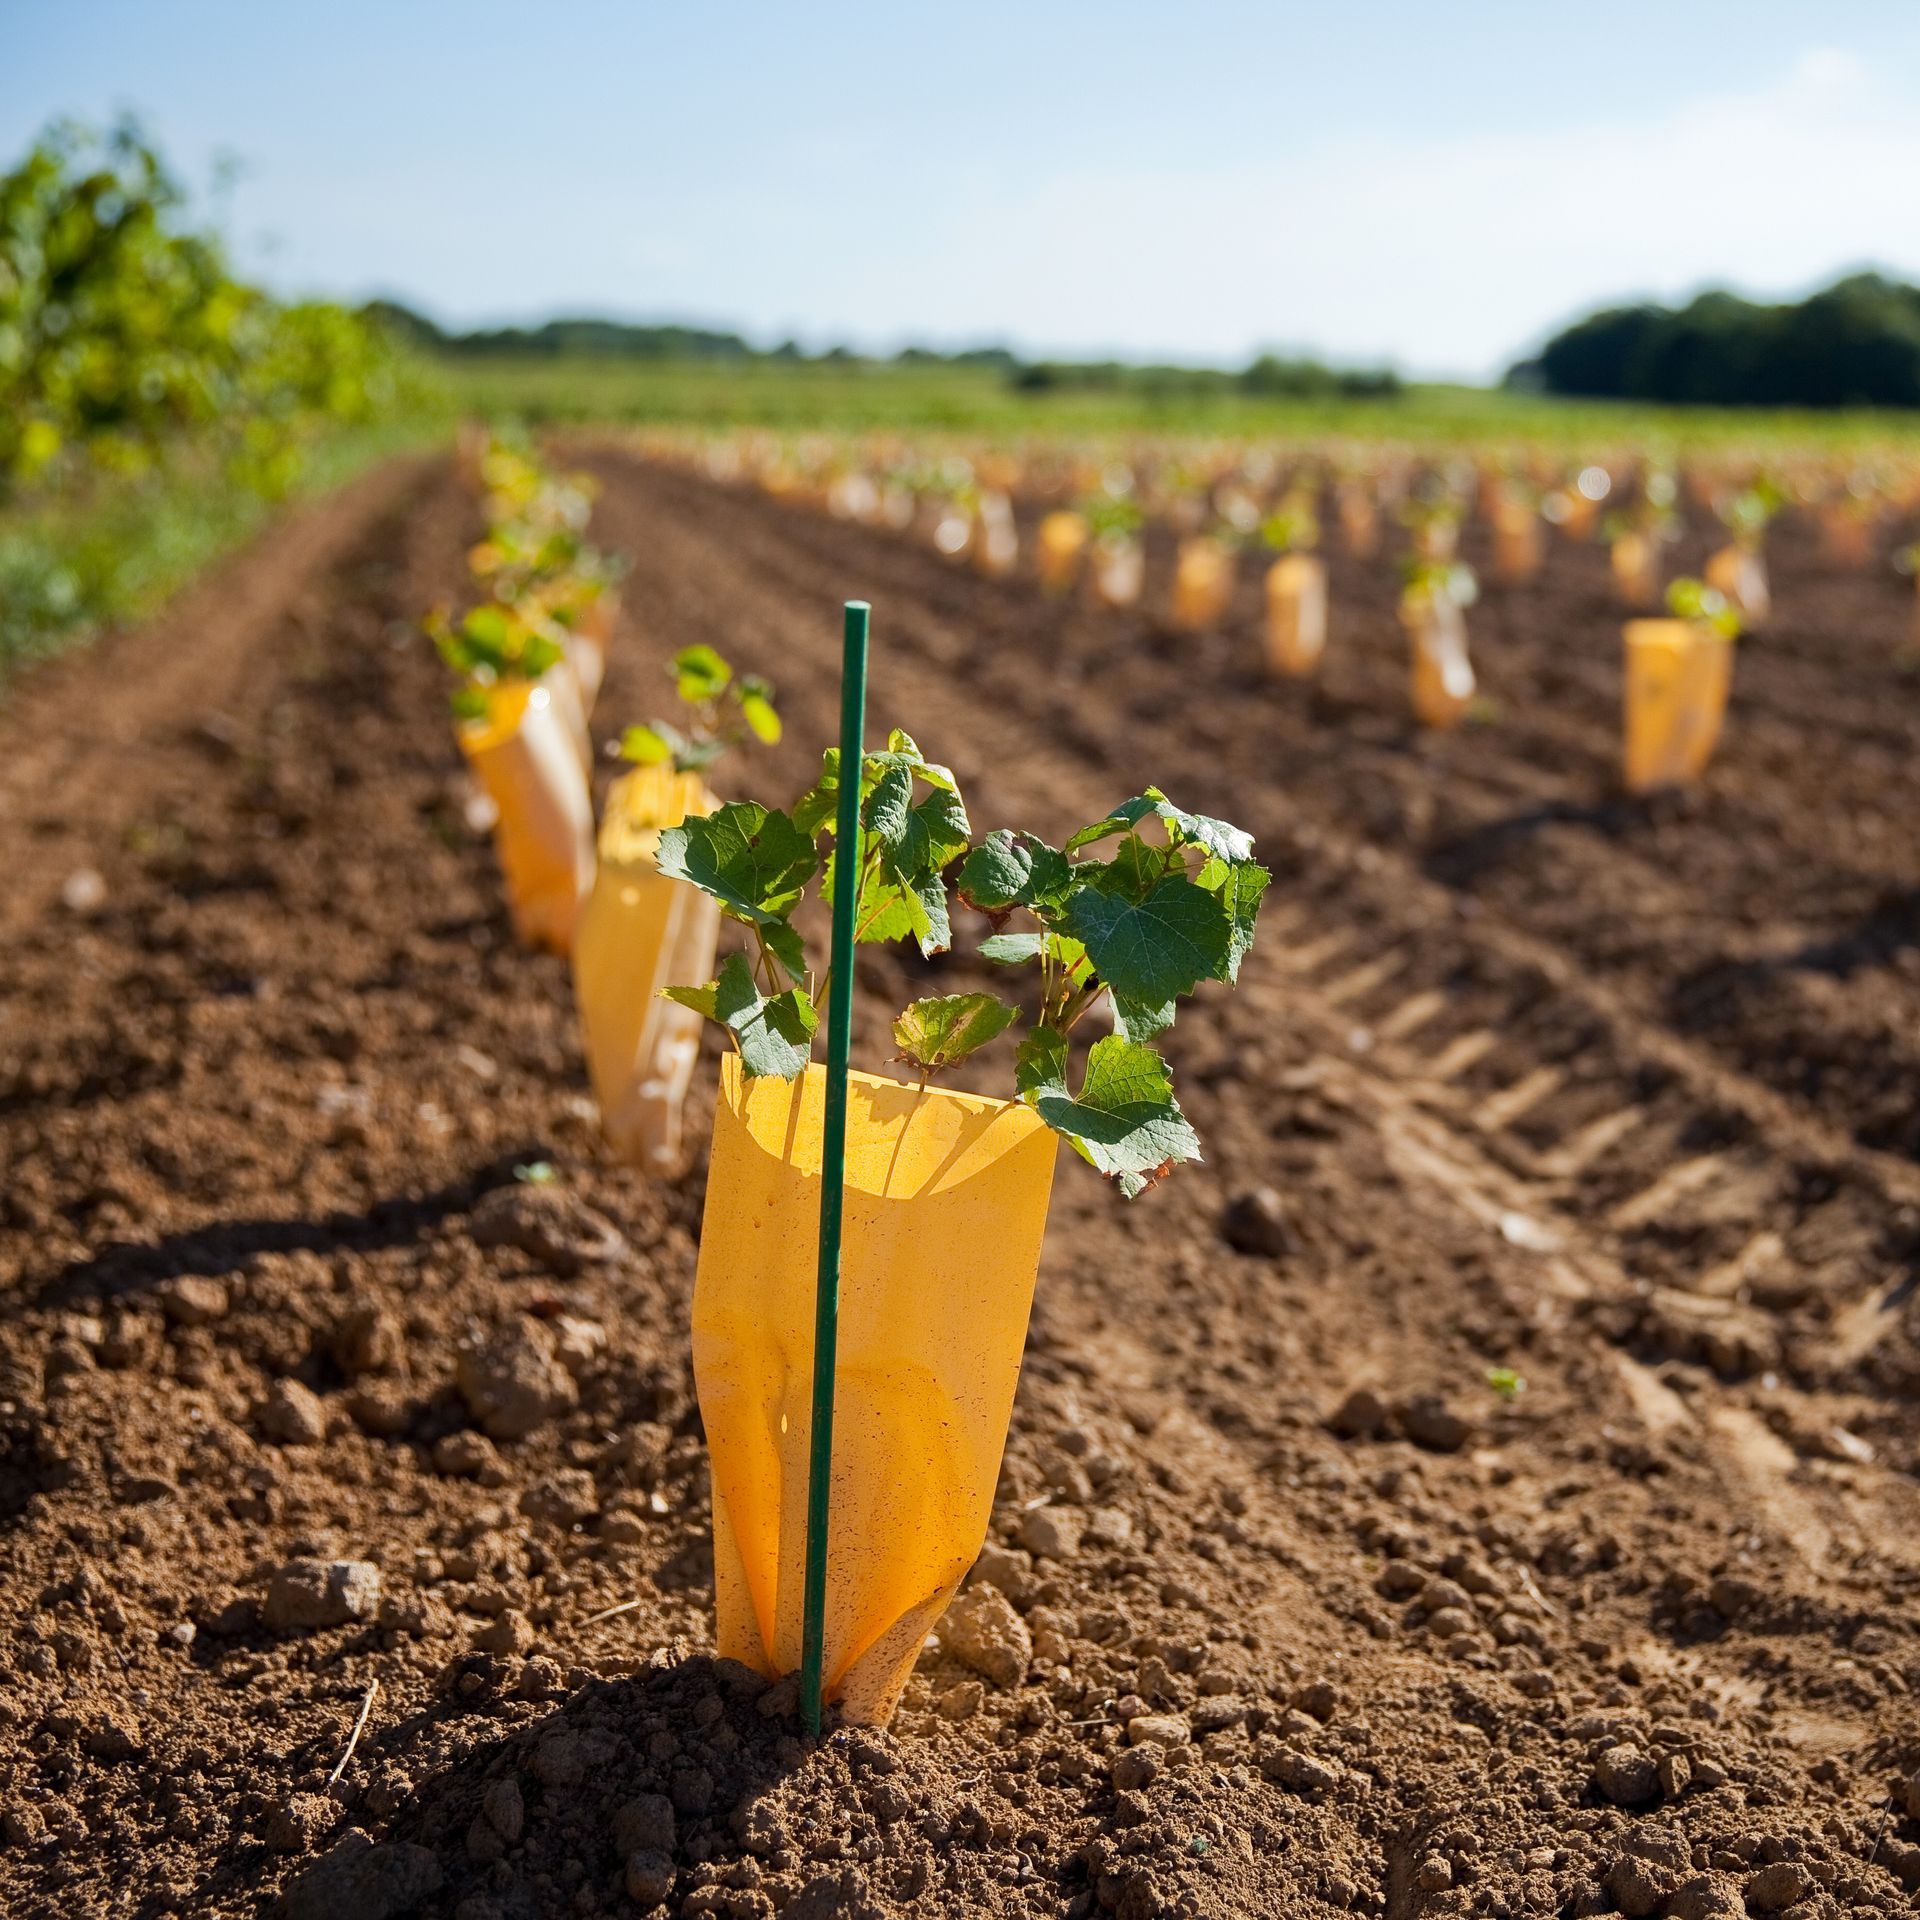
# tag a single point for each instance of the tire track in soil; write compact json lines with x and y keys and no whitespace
{"x":345,"y":1059}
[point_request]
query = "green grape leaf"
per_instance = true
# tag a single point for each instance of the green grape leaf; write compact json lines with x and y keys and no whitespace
{"x":1135,"y":869}
{"x":901,"y":751}
{"x":884,"y":811}
{"x":1065,"y":951}
{"x":1197,"y":829}
{"x":1124,"y":1121}
{"x":1040,"y":1065}
{"x":699,"y":675}
{"x":936,"y":835}
{"x":703,"y":1000}
{"x":755,"y":862}
{"x":651,"y":746}
{"x":816,"y":807}
{"x":775,"y":1035}
{"x":1008,"y":870}
{"x":920,"y":900}
{"x":1154,"y":949}
{"x":1240,"y":889}
{"x":783,"y":938}
{"x":1011,"y":949}
{"x":1140,"y":1020}
{"x":935,"y":1033}
{"x":758,"y":711}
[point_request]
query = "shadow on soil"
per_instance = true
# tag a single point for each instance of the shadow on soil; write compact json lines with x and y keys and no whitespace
{"x":689,"y":1765}
{"x":222,"y":1247}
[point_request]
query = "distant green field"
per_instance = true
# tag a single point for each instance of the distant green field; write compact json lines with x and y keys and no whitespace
{"x":796,"y":396}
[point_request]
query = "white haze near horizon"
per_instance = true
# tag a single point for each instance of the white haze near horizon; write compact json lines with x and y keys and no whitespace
{"x":1415,"y":203}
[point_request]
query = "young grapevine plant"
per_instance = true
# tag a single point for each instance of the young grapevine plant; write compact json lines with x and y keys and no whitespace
{"x":1136,"y":909}
{"x":491,"y":645}
{"x":722,"y":710}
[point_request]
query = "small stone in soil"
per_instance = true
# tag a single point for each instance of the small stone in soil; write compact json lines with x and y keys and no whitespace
{"x":1732,"y":1595}
{"x":193,"y":1300}
{"x":551,"y":1226}
{"x":1255,"y":1222}
{"x":467,"y":1455}
{"x":505,"y":1809}
{"x":1627,"y":1776}
{"x":982,"y":1631}
{"x":322,"y":1593}
{"x":357,"y":1880}
{"x":515,"y":1381}
{"x":1362,"y":1415}
{"x":578,"y":1343}
{"x":1777,"y":1887}
{"x":83,"y":892}
{"x":961,"y":1701}
{"x":1320,"y":1698}
{"x":645,"y":1824}
{"x":1053,"y":1533}
{"x":1305,"y":1772}
{"x":1008,"y":1568}
{"x":380,"y":1408}
{"x":649,"y":1878}
{"x":1437,"y":1593}
{"x":1136,"y":1767}
{"x":293,"y":1415}
{"x":1159,"y":1729}
{"x":1429,"y":1422}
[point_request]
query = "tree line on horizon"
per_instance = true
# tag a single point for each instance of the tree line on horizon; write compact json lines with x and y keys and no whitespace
{"x":1269,"y":375}
{"x":1853,"y":344}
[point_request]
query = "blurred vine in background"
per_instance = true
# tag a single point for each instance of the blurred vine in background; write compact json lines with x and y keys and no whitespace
{"x":152,"y":406}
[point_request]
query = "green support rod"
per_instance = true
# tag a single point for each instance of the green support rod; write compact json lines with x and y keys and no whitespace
{"x":833,"y":1153}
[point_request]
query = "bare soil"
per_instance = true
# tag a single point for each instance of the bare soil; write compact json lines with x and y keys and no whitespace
{"x":309,"y":1405}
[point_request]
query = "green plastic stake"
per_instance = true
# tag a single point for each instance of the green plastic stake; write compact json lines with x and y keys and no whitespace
{"x":833,"y":1153}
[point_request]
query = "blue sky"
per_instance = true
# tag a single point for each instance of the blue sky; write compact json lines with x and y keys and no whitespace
{"x":1435,"y":186}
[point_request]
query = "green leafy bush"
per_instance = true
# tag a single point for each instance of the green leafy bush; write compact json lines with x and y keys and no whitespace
{"x":147,"y":398}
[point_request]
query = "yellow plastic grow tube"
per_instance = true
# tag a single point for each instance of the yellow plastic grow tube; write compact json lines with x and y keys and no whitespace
{"x":1202,"y":583}
{"x":1059,"y":547}
{"x":1678,"y":676}
{"x":523,"y":755}
{"x":639,"y":932}
{"x":946,"y":1207}
{"x":1296,"y":614}
{"x":1441,"y":677}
